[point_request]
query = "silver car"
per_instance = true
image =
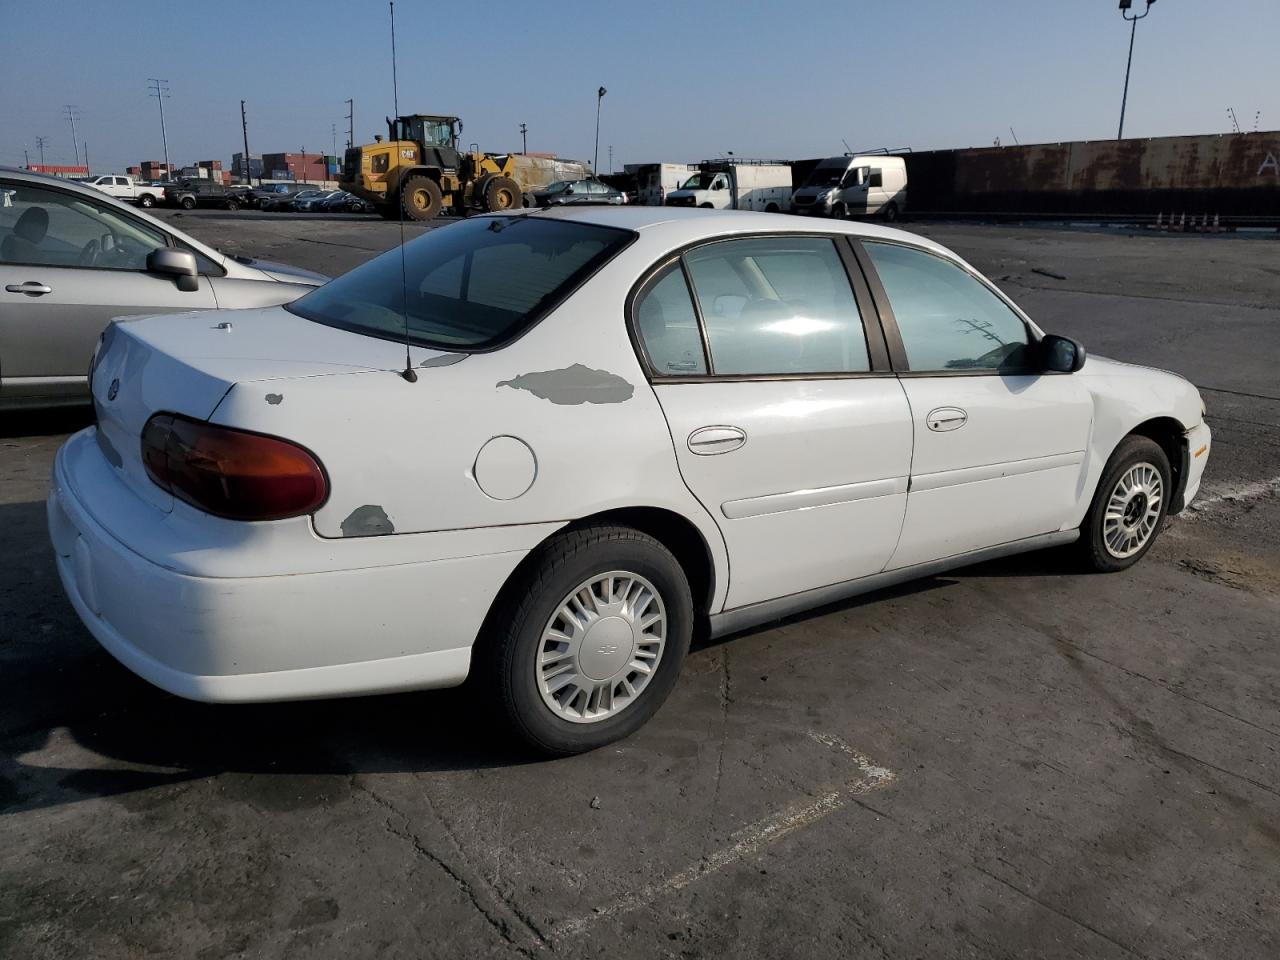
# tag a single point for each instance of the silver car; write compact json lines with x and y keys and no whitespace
{"x":72,"y":258}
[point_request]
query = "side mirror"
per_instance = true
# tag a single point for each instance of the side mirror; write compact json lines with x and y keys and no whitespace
{"x":1061,"y":354}
{"x":179,"y":264}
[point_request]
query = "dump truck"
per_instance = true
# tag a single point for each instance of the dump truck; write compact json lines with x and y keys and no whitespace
{"x":418,"y":170}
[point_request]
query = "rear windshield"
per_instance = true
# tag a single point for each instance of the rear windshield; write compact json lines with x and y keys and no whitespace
{"x":470,"y":285}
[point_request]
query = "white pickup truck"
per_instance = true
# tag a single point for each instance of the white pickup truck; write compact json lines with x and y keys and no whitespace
{"x":127,"y":188}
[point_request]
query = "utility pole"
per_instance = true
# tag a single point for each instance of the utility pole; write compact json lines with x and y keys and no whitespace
{"x":1125,"y":6}
{"x":304,"y":164}
{"x":524,"y":138}
{"x":595,"y":157}
{"x":26,"y":156}
{"x":351,"y":124}
{"x":40,"y":142}
{"x":159,"y":91}
{"x":334,"y":130}
{"x":86,"y":156}
{"x":71,"y":115}
{"x":248,"y":164}
{"x":611,"y":158}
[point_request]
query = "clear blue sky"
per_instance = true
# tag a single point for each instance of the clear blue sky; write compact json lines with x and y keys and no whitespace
{"x":686,"y":80}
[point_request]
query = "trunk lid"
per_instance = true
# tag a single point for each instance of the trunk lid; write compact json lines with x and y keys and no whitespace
{"x":186,"y":363}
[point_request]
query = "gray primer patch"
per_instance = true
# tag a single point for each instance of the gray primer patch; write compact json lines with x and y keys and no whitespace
{"x":274,"y":398}
{"x":575,"y":384}
{"x":444,"y":360}
{"x":367,"y":521}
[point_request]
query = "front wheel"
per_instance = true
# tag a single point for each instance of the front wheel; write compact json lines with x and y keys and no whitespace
{"x":584,"y":648}
{"x":1128,"y":507}
{"x":839,"y":212}
{"x":420,"y":198}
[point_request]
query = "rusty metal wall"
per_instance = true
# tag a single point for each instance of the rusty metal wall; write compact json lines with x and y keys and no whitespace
{"x":1236,"y":174}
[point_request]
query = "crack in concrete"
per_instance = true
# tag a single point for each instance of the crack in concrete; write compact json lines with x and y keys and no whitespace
{"x":500,"y":924}
{"x":1061,"y":913}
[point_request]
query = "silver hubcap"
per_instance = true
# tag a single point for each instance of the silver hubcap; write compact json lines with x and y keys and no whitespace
{"x":1132,"y":511}
{"x":601,"y":647}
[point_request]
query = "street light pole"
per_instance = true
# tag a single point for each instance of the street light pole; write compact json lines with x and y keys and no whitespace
{"x":524,"y":138}
{"x":595,"y":157}
{"x":1125,"y":6}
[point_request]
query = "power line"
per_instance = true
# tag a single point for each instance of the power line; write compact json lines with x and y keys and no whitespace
{"x":161,"y":92}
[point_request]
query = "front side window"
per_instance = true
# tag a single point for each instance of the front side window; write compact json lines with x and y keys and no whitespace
{"x":379,"y":163}
{"x":51,"y":228}
{"x":668,"y":327}
{"x":948,"y":320}
{"x":471,"y":285}
{"x":781,"y":305}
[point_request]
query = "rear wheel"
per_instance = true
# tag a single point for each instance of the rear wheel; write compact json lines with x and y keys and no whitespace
{"x":705,"y":206}
{"x":233,"y":204}
{"x":890,"y":212}
{"x":1128,"y":507}
{"x":147,"y":201}
{"x":502,"y":193}
{"x":585,"y":647}
{"x":188,"y":203}
{"x":420,"y":198}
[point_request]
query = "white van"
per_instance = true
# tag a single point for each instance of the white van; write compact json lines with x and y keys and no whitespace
{"x":854,"y":186}
{"x":736,"y":185}
{"x":655,"y":180}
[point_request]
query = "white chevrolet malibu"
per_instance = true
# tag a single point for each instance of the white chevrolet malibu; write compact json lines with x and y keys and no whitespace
{"x":542,"y":450}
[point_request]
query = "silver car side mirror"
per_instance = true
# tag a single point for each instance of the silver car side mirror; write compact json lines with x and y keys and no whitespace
{"x":179,"y":264}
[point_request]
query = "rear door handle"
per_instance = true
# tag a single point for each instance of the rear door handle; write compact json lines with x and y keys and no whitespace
{"x":31,"y":288}
{"x":706,"y":441}
{"x":943,"y":419}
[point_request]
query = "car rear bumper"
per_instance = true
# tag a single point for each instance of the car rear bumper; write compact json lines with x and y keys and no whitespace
{"x":371,"y":629}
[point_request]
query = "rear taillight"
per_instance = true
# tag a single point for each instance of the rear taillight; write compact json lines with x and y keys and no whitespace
{"x":232,"y":473}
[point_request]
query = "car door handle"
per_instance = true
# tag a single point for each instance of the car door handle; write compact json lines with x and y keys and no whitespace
{"x":706,"y":441}
{"x":946,"y":418}
{"x":31,"y":288}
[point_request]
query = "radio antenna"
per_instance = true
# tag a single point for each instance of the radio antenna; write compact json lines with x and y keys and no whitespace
{"x":409,"y":373}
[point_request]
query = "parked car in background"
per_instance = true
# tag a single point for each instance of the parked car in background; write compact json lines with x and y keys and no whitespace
{"x":287,"y":201}
{"x":192,"y":193}
{"x":343,"y":202}
{"x":782,"y":413}
{"x":566,"y":192}
{"x":72,"y":258}
{"x":127,"y":188}
{"x":736,"y":185}
{"x":854,"y":186}
{"x":312,"y":201}
{"x":263,"y":191}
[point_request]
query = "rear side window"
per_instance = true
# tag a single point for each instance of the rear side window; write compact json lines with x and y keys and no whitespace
{"x":781,"y":305}
{"x":947,"y":319}
{"x":668,"y":326}
{"x":471,"y":285}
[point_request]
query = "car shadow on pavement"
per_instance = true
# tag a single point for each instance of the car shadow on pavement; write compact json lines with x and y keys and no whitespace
{"x":75,"y":724}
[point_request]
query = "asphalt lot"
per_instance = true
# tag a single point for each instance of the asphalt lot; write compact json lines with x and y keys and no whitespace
{"x":1010,"y":760}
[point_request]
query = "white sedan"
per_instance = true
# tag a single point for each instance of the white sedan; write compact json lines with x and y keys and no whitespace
{"x":542,"y":449}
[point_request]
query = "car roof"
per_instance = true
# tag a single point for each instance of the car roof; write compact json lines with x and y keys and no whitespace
{"x":681,"y":225}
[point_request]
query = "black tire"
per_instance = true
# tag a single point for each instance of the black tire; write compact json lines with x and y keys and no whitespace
{"x":147,"y":201}
{"x":890,"y":212}
{"x":530,"y":200}
{"x":502,"y":194}
{"x":188,"y":203}
{"x":1092,"y":545}
{"x":705,"y":206}
{"x":233,"y":204}
{"x":420,"y":198}
{"x":839,"y":212}
{"x":511,"y":640}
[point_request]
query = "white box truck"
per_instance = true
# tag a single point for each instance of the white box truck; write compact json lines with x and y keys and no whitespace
{"x":736,"y":185}
{"x":655,"y":180}
{"x":854,"y":185}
